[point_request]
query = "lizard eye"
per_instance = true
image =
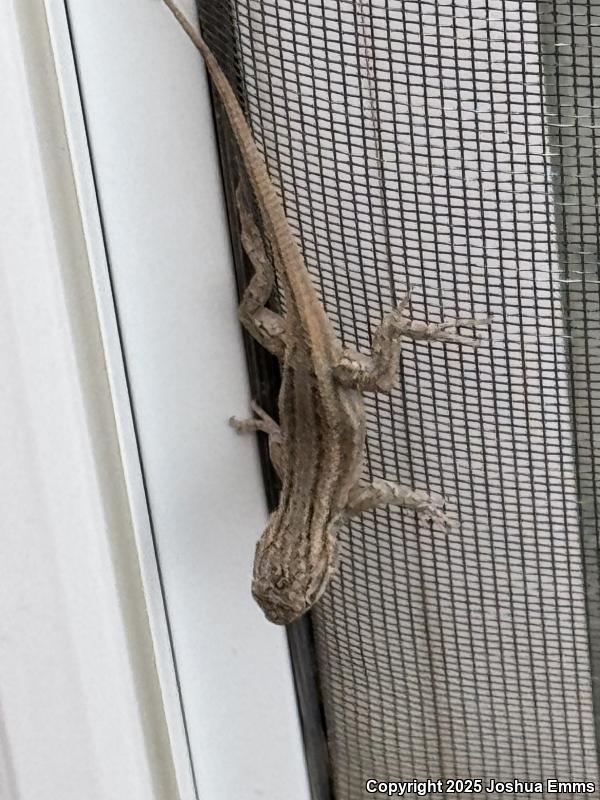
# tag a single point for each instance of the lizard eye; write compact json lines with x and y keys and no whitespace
{"x":279,"y":577}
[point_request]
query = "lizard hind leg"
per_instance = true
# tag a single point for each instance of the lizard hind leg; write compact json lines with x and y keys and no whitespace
{"x":369,"y":496}
{"x":266,"y":326}
{"x":378,"y":372}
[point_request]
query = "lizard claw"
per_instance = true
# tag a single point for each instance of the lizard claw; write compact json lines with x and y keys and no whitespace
{"x":430,"y":507}
{"x":238,"y":425}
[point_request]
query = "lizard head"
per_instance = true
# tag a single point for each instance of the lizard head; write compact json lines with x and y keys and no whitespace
{"x":279,"y":606}
{"x":287,"y":587}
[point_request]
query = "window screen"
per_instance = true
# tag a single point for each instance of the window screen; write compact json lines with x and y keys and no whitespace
{"x":449,"y":147}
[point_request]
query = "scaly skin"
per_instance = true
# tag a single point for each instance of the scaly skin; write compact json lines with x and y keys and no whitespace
{"x":318,"y":450}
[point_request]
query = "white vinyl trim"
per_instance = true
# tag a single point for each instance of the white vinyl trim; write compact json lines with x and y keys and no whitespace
{"x":87,"y":702}
{"x":165,"y":680}
{"x":92,"y":229}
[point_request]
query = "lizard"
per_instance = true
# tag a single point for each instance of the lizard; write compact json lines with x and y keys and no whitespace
{"x":318,"y":447}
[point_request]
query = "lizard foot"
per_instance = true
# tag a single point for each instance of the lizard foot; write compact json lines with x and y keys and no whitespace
{"x":380,"y":493}
{"x":446,"y":331}
{"x":262,"y":422}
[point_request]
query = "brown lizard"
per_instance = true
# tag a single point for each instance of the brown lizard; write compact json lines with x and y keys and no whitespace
{"x":318,"y":448}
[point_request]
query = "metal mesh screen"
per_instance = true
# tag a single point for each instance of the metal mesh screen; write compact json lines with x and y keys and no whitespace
{"x":450,"y":146}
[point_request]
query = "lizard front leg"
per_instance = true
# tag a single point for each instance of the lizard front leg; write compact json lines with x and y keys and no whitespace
{"x":378,"y":372}
{"x":263,"y":422}
{"x":267,"y":327}
{"x":369,"y":496}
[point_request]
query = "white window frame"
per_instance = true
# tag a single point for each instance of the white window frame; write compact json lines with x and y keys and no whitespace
{"x":102,"y":693}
